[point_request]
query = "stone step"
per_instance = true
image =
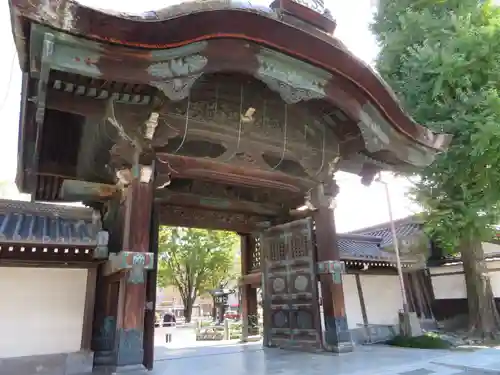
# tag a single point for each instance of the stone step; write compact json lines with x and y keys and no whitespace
{"x":103,"y":358}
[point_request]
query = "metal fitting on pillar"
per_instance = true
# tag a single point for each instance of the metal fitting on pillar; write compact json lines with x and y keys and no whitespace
{"x":142,"y":172}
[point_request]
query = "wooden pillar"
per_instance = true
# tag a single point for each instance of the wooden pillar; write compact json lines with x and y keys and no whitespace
{"x":88,"y":312}
{"x":120,"y":311}
{"x":151,"y":279}
{"x":337,"y":334}
{"x":248,"y":293}
{"x":132,"y":262}
{"x":107,"y":292}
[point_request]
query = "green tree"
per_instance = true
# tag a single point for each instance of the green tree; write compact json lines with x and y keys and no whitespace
{"x":442,"y":58}
{"x":189,"y":258}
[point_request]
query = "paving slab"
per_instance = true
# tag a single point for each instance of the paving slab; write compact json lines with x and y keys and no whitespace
{"x":251,"y":358}
{"x":481,"y":359}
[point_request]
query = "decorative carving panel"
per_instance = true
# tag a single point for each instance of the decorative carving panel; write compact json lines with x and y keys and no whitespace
{"x":256,"y":256}
{"x":224,"y":104}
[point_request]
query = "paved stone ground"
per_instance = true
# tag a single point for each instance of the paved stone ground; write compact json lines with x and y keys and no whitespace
{"x":237,"y":359}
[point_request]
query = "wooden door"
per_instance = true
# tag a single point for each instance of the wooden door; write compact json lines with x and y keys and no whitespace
{"x":290,"y":298}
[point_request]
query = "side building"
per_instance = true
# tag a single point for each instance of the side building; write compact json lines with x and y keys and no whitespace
{"x":49,"y":256}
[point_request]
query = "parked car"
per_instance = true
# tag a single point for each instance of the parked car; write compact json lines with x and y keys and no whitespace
{"x":232,"y":314}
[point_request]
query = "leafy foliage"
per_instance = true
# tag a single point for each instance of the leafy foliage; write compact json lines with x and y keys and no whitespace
{"x":427,"y":341}
{"x":192,"y":260}
{"x":442,"y":58}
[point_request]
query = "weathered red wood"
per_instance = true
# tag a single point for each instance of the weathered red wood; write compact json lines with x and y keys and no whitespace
{"x":337,"y":334}
{"x":130,"y":306}
{"x":208,"y":170}
{"x":136,"y":239}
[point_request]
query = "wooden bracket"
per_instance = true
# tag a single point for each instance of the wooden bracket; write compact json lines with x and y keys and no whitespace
{"x":135,"y":262}
{"x":333,"y":267}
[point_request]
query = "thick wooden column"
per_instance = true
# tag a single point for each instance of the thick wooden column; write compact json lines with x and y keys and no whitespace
{"x":151,"y":279}
{"x":132,"y":262}
{"x":119,"y":332}
{"x":107,"y":292}
{"x":337,"y":334}
{"x":248,"y":293}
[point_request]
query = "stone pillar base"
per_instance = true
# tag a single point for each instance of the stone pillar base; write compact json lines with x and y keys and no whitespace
{"x":337,"y":335}
{"x":409,"y":324}
{"x":112,"y":370}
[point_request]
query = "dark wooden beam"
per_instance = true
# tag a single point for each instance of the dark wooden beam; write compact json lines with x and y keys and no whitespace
{"x":211,"y":219}
{"x":88,"y":311}
{"x":47,"y":264}
{"x":208,"y":170}
{"x":37,"y":253}
{"x":166,"y":196}
{"x":254,"y":278}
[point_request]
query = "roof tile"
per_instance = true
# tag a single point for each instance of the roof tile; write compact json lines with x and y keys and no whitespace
{"x":39,"y":223}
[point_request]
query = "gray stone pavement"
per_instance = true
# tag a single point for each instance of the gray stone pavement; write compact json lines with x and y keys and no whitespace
{"x":249,"y":359}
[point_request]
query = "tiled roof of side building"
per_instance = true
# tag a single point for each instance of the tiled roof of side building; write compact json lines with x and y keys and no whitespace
{"x":40,"y":223}
{"x":404,"y":227}
{"x":369,"y":243}
{"x":353,"y":246}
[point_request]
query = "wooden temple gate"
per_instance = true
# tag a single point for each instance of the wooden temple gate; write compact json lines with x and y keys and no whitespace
{"x":156,"y":123}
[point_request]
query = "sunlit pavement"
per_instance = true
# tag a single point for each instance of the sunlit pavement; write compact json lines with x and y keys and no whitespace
{"x":185,"y":355}
{"x":184,"y":338}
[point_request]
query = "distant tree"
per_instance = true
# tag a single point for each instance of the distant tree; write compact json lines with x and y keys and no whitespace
{"x":224,"y":278}
{"x":442,"y":58}
{"x":193,"y":259}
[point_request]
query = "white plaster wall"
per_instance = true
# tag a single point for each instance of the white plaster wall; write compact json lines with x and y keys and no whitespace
{"x":383,"y":301}
{"x":41,"y":310}
{"x":448,"y":284}
{"x":491,"y":248}
{"x":495,"y":277}
{"x":352,"y":304}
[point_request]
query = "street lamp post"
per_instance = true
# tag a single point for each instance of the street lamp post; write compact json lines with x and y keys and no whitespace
{"x":396,"y":245}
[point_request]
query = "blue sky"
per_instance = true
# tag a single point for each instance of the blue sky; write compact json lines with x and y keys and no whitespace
{"x":357,"y":206}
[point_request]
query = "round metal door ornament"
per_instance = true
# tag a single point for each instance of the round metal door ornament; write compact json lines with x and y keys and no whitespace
{"x":301,"y":283}
{"x":278,"y":285}
{"x":280,"y":319}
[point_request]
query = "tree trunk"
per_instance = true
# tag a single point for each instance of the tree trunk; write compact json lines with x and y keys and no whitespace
{"x":188,"y":310}
{"x":484,"y":319}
